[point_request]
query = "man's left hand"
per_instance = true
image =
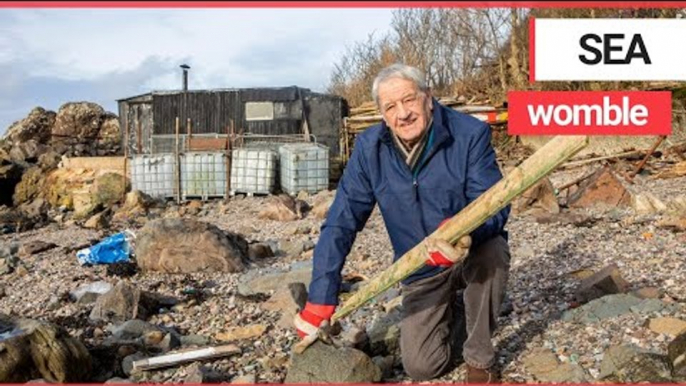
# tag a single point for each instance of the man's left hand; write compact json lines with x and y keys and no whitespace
{"x":443,"y":254}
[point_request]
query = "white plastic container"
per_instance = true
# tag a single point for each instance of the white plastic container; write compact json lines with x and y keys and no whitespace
{"x":203,"y":175}
{"x":304,"y":166}
{"x":153,"y":175}
{"x":253,"y":171}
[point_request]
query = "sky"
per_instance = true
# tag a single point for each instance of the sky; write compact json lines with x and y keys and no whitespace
{"x":52,"y":56}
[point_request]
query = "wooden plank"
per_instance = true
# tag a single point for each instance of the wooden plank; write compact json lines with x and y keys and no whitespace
{"x":174,"y":359}
{"x":521,"y":178}
{"x":177,"y":162}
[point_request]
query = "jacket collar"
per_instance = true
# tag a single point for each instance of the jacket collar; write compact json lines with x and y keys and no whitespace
{"x":441,"y":132}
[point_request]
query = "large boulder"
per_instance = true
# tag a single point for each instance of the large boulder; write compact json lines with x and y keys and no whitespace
{"x":28,"y":152}
{"x":109,"y":139}
{"x":77,"y":121}
{"x":322,"y":363}
{"x":83,"y":128}
{"x":33,"y":349}
{"x":37,"y":126}
{"x":186,"y":245}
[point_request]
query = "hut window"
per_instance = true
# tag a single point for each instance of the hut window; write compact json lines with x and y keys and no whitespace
{"x":259,"y":111}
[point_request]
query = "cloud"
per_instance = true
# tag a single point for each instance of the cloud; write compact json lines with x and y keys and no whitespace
{"x":27,"y":91}
{"x":52,"y":56}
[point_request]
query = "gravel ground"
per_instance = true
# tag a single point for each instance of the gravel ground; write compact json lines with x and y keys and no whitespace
{"x":542,"y":283}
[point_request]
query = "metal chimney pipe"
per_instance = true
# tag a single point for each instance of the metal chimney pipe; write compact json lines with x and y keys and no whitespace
{"x":185,"y":68}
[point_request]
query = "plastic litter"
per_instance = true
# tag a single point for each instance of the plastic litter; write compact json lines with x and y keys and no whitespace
{"x":97,"y":288}
{"x":114,"y":249}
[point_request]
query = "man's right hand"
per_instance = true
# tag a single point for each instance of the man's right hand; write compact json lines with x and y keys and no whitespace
{"x":307,"y":322}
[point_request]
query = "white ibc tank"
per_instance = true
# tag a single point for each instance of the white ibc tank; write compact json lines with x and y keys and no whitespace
{"x":253,"y":171}
{"x":203,"y":174}
{"x":304,"y":166}
{"x":153,"y":175}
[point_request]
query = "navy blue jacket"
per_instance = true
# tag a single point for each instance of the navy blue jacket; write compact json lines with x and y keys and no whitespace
{"x":457,"y":166}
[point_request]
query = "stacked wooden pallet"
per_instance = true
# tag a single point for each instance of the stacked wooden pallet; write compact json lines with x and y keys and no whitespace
{"x":367,"y":115}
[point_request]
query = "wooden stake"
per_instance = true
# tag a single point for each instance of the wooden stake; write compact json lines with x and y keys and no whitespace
{"x":190,"y":132}
{"x":645,"y":159}
{"x":229,"y":155}
{"x":536,"y":167}
{"x":184,"y":357}
{"x":139,"y":134}
{"x":126,"y":154}
{"x":575,"y":181}
{"x":178,"y":163}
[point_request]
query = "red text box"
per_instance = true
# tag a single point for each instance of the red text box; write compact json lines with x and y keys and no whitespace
{"x":589,"y":113}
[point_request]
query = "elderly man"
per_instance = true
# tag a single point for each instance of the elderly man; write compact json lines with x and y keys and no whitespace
{"x":422,"y":165}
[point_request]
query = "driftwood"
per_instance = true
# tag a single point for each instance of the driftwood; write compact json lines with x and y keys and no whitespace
{"x":678,"y":170}
{"x":184,"y":357}
{"x":640,"y":166}
{"x":575,"y":181}
{"x":539,"y":165}
{"x":626,"y":154}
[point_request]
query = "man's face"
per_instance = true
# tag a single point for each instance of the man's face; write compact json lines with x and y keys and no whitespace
{"x":405,"y":109}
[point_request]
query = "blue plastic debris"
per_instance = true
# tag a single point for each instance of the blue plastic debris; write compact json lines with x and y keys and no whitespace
{"x":114,"y":249}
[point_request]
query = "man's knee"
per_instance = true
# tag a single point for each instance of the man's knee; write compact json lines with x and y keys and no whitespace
{"x":423,"y":367}
{"x":487,"y":259}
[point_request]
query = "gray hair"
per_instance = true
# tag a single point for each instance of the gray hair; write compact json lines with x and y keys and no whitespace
{"x":402,"y":71}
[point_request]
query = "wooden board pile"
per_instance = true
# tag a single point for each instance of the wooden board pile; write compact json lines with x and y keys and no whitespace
{"x":367,"y":115}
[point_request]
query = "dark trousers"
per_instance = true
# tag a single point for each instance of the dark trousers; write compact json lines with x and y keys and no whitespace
{"x":438,"y":325}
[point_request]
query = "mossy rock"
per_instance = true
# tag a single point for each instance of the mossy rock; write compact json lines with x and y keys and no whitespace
{"x":29,"y":187}
{"x":34,"y":349}
{"x":109,"y":189}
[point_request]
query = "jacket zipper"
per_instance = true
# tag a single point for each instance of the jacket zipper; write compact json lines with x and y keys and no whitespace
{"x":415,"y":176}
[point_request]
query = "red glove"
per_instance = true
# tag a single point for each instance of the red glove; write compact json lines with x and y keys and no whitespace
{"x":311,"y":317}
{"x":442,"y":254}
{"x":437,"y":259}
